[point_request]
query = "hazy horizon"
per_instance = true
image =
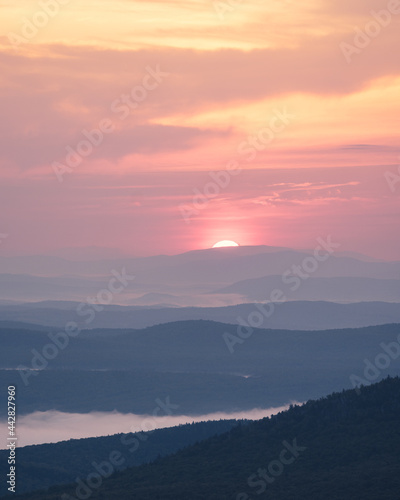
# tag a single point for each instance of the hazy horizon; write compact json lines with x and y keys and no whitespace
{"x":94,"y":253}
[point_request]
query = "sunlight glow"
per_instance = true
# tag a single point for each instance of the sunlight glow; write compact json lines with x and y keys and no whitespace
{"x":225,"y":243}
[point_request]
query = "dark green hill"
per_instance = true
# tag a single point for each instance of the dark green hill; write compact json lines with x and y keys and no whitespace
{"x":345,"y":447}
{"x":44,"y":465}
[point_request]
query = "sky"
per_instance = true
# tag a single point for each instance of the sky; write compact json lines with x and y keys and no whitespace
{"x":159,"y":127}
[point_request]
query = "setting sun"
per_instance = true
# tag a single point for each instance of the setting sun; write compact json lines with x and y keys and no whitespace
{"x":225,"y":243}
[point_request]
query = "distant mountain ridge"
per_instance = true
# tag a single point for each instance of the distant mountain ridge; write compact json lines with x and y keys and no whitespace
{"x":239,"y":261}
{"x":341,"y":289}
{"x":291,"y":315}
{"x":203,"y":366}
{"x":189,"y":279}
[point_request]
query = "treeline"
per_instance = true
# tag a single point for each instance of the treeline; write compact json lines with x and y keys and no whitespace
{"x":344,"y":447}
{"x":42,"y":466}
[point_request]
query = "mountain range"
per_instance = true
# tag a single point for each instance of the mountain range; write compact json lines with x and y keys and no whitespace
{"x":202,"y":366}
{"x":290,"y":315}
{"x":194,"y":278}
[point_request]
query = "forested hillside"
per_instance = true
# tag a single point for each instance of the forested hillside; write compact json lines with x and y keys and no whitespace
{"x":44,"y":465}
{"x":343,"y":447}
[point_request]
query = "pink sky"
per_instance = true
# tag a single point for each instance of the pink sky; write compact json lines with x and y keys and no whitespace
{"x":202,"y":89}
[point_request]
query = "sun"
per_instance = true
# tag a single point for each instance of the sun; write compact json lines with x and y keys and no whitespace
{"x":225,"y":243}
